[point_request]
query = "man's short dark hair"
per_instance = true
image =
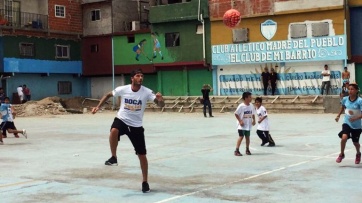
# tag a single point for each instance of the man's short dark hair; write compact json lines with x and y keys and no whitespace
{"x":246,"y":94}
{"x":345,"y":67}
{"x":7,"y":98}
{"x":134,"y":72}
{"x":259,"y":99}
{"x":326,"y":65}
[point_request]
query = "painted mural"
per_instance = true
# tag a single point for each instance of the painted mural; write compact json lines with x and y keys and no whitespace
{"x":310,"y":49}
{"x":147,"y":48}
{"x":293,"y":79}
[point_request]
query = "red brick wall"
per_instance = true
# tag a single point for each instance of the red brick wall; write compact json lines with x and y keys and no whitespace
{"x":245,"y":7}
{"x":73,"y":16}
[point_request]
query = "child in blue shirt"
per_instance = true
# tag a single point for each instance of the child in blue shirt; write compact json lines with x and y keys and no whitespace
{"x":8,"y":116}
{"x":351,"y":127}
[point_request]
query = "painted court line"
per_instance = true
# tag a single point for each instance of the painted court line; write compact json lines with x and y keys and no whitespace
{"x":18,"y":183}
{"x":243,"y":179}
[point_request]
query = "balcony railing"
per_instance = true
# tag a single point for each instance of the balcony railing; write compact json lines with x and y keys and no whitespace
{"x":14,"y":19}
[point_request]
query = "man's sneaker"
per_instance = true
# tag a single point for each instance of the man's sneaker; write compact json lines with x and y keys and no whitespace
{"x":340,"y":157}
{"x":145,"y":187}
{"x":24,"y":134}
{"x":247,"y":152}
{"x":358,"y":158}
{"x":112,"y":161}
{"x":237,"y":153}
{"x":271,"y":144}
{"x":263,"y":143}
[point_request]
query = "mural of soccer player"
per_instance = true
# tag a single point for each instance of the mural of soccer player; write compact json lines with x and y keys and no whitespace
{"x":139,"y":49}
{"x":156,"y":45}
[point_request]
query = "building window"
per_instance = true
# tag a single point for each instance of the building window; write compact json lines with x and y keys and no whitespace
{"x":64,"y":87}
{"x":59,"y":11}
{"x":130,"y":39}
{"x":172,"y":39}
{"x":177,"y":1}
{"x":94,"y":48}
{"x":96,"y":15}
{"x":26,"y":49}
{"x":62,"y":51}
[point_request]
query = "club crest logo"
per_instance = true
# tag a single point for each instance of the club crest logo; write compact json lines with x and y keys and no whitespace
{"x":268,"y":29}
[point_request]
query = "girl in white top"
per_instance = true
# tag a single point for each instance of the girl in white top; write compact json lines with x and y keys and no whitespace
{"x":263,"y":123}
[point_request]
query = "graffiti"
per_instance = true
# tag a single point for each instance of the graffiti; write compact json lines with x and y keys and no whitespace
{"x":156,"y":45}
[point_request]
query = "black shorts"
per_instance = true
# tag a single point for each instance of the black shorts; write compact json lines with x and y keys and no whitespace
{"x":135,"y":134}
{"x":352,"y":133}
{"x":8,"y":125}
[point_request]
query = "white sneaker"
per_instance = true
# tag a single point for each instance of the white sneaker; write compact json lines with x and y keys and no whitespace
{"x":24,"y":134}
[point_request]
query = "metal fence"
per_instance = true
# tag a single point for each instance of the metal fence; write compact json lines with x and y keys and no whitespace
{"x":24,"y":20}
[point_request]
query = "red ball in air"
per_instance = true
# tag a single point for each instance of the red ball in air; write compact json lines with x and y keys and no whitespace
{"x":231,"y":18}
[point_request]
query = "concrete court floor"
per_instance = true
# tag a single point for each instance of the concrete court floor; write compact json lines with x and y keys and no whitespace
{"x":190,"y":160}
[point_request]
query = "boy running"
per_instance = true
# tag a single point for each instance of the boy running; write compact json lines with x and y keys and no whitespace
{"x":246,"y":118}
{"x":263,"y":121}
{"x":8,"y":116}
{"x":351,"y":127}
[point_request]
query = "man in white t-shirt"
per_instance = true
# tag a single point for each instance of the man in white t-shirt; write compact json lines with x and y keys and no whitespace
{"x":263,"y":121}
{"x":245,"y":116}
{"x":326,"y":83}
{"x":129,"y":118}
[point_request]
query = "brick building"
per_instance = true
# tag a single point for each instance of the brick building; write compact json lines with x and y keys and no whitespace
{"x":40,"y":42}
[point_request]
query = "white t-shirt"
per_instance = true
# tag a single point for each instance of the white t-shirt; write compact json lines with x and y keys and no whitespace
{"x":264,"y":125}
{"x":245,"y":112}
{"x":326,"y":78}
{"x":133,"y":104}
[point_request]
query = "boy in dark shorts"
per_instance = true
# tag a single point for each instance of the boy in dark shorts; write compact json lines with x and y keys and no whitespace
{"x":8,"y":116}
{"x":245,"y":116}
{"x":263,"y":123}
{"x":351,"y":127}
{"x":129,"y":120}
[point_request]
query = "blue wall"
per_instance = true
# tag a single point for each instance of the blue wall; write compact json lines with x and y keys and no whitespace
{"x":47,"y":86}
{"x":356,"y":31}
{"x":16,"y":65}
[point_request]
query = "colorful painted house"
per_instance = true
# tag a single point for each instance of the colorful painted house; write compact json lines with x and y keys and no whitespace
{"x":178,"y":46}
{"x":105,"y":22}
{"x":40,"y":47}
{"x":296,"y":38}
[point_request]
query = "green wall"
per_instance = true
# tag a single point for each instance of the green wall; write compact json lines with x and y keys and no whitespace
{"x":190,"y":49}
{"x":150,"y":81}
{"x":359,"y":75}
{"x":196,"y":78}
{"x":178,"y":12}
{"x":183,"y":82}
{"x":44,"y":48}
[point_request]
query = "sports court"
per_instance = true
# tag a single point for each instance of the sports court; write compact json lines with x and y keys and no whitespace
{"x":190,"y":160}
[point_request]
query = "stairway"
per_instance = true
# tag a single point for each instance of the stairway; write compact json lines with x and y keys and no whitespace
{"x":274,"y":104}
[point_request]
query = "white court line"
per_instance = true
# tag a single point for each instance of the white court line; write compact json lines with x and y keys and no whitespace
{"x":243,"y":179}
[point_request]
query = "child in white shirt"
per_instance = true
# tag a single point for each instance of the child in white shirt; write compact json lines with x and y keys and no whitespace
{"x":263,"y":121}
{"x":245,"y":114}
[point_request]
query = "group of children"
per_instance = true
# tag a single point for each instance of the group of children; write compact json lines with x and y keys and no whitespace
{"x":245,"y":115}
{"x":351,"y":105}
{"x":8,"y":115}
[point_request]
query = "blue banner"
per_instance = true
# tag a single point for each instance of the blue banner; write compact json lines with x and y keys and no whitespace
{"x":306,"y":49}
